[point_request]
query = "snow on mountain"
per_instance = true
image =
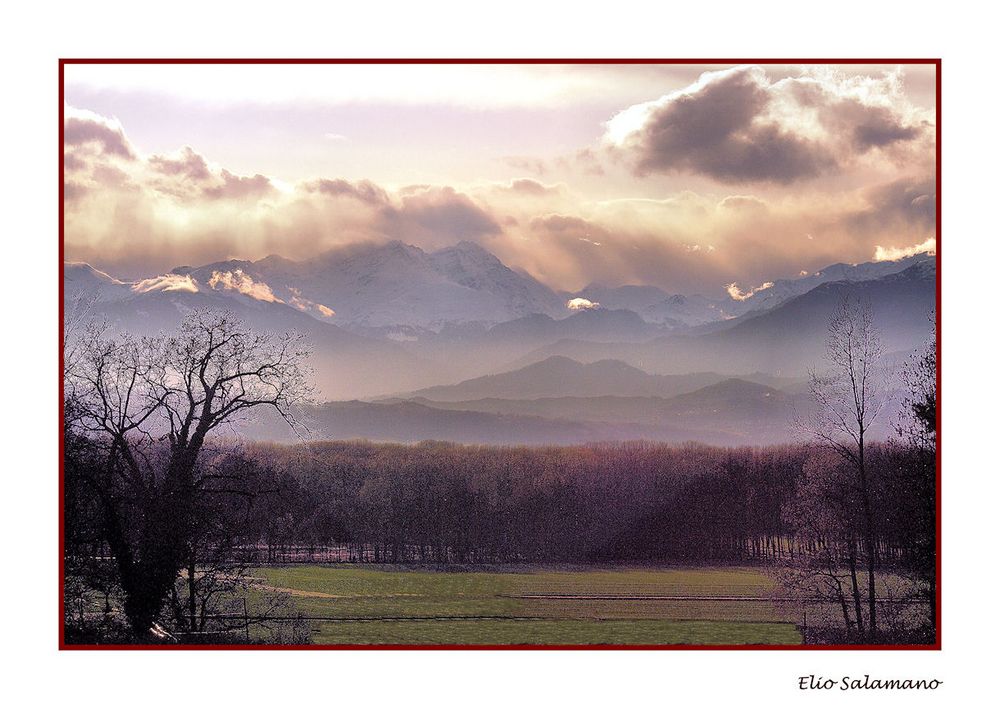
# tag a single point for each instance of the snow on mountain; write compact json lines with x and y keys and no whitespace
{"x":83,"y":280}
{"x":655,"y":305}
{"x":393,"y":285}
{"x":781,"y":290}
{"x":396,"y":291}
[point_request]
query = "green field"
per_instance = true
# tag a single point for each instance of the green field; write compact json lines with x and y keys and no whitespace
{"x":388,"y":605}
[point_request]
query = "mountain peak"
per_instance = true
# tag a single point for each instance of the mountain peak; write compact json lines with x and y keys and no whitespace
{"x":469,"y":247}
{"x":82,"y":269}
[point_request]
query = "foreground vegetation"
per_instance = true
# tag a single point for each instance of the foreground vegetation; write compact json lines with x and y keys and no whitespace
{"x":166,"y":523}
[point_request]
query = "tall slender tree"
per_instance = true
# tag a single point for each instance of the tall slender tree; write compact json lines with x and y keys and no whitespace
{"x":850,"y":396}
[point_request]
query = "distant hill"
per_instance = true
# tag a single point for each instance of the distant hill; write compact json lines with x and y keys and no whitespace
{"x":599,"y":325}
{"x":729,"y":412}
{"x":728,"y":399}
{"x":561,"y":376}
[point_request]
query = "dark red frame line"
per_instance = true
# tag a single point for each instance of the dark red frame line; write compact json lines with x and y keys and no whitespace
{"x":505,"y":60}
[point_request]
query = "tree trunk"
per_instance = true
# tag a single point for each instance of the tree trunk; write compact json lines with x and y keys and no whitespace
{"x":869,"y":539}
{"x":853,"y":565}
{"x":192,"y":596}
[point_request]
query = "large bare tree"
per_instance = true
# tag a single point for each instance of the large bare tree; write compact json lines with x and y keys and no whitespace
{"x":850,"y":396}
{"x":148,"y":405}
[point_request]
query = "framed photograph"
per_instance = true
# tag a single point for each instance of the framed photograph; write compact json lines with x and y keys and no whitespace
{"x":475,"y":353}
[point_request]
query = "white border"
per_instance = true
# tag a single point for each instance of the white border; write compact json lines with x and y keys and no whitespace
{"x":35,"y":36}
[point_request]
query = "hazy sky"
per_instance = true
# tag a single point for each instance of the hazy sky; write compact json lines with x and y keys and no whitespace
{"x":682,"y":176}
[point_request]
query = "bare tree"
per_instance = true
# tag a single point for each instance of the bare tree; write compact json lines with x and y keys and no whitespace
{"x":149,"y":404}
{"x":850,"y":397}
{"x":824,"y":511}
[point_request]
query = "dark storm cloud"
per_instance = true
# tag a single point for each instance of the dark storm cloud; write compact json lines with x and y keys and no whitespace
{"x":880,"y":128}
{"x":716,"y":131}
{"x":735,"y":126}
{"x":866,"y":126}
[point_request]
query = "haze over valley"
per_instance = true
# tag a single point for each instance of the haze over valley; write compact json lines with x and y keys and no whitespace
{"x":453,"y":344}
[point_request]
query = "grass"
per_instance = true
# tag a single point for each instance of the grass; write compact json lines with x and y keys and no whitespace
{"x":393,"y":605}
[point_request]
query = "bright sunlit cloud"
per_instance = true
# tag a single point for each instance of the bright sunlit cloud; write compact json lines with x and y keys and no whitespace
{"x":737,"y":294}
{"x":895,"y":253}
{"x":582,"y":304}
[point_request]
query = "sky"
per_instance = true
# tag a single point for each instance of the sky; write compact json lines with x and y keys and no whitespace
{"x":694,"y":178}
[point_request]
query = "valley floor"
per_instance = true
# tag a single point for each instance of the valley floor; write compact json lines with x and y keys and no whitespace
{"x":347,"y":604}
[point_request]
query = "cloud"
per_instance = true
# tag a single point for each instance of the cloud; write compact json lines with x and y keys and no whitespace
{"x":744,"y":204}
{"x":535,"y":166}
{"x":737,"y":126}
{"x":906,"y":203}
{"x":737,"y":294}
{"x":73,"y":191}
{"x":186,"y":163}
{"x":239,"y":187}
{"x":527,"y":186}
{"x":242,"y":283}
{"x":363,"y":190}
{"x":90,"y":130}
{"x":168,"y":282}
{"x":585,"y":161}
{"x":308,"y":306}
{"x":73,"y":162}
{"x":438,"y":215}
{"x":894,"y":253}
{"x":145,"y":215}
{"x":581,"y":304}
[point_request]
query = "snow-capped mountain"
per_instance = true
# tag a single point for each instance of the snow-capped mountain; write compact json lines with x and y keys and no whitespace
{"x":397,"y":291}
{"x":390,"y":286}
{"x":782,"y":289}
{"x":655,"y":305}
{"x":81,"y":280}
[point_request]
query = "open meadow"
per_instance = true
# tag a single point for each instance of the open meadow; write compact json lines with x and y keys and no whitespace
{"x":347,"y":604}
